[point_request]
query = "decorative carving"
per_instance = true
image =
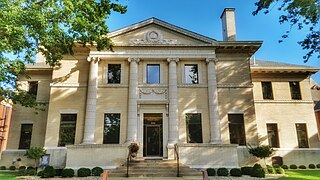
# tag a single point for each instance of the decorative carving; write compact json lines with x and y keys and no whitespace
{"x":133,"y":59}
{"x":153,"y":90}
{"x":93,"y":58}
{"x":213,"y":59}
{"x":153,"y":93}
{"x":173,"y":59}
{"x":153,"y":37}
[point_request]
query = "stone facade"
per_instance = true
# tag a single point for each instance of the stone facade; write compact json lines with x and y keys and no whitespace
{"x":224,"y":84}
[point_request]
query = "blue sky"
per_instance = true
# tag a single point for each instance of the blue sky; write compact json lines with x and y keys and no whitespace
{"x":203,"y":17}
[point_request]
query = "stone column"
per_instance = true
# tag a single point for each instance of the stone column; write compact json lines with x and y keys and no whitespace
{"x":90,"y":121}
{"x":213,"y":102}
{"x":132,"y":101}
{"x":173,"y":103}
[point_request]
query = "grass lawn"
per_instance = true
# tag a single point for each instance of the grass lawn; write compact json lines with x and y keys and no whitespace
{"x":7,"y":176}
{"x":302,"y":174}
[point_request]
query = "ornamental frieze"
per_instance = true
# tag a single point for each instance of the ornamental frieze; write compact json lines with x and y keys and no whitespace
{"x":153,"y":37}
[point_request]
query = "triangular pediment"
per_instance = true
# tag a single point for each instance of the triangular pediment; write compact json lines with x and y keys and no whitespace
{"x":153,"y":32}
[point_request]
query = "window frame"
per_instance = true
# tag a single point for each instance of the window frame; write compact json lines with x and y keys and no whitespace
{"x":147,"y":73}
{"x":107,"y":73}
{"x":199,"y":124}
{"x":267,"y":91}
{"x":300,"y":145}
{"x":33,"y":87}
{"x":295,"y":95}
{"x":277,"y":144}
{"x":25,"y":145}
{"x":66,"y":123}
{"x":235,"y":126}
{"x":108,"y":140}
{"x":185,"y":73}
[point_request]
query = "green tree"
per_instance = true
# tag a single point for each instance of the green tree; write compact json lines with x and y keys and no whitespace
{"x":260,"y":151}
{"x":51,"y":27}
{"x":300,"y":14}
{"x":35,"y":153}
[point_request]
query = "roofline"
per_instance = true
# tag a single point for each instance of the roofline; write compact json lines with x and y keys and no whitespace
{"x":163,"y":24}
{"x":311,"y":70}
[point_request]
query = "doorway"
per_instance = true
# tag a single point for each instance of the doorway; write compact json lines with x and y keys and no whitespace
{"x":152,"y":135}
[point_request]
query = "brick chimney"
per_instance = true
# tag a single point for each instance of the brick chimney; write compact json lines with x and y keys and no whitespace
{"x":228,"y":24}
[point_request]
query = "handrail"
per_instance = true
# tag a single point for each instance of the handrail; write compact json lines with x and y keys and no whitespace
{"x":128,"y":160}
{"x":177,"y":158}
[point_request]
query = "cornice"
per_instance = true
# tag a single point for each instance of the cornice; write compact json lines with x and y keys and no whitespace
{"x":284,"y":101}
{"x":113,"y":85}
{"x":70,"y":85}
{"x":234,"y":85}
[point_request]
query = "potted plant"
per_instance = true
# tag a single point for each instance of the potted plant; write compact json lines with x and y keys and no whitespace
{"x":133,"y":149}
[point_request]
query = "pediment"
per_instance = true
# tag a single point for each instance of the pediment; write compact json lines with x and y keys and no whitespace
{"x":154,"y":32}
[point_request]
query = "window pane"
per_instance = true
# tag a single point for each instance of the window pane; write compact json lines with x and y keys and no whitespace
{"x":191,"y":73}
{"x":114,"y":73}
{"x":295,"y":90}
{"x":153,"y":74}
{"x":236,"y":129}
{"x":33,"y":87}
{"x":111,"y":132}
{"x":194,"y":128}
{"x":67,"y":129}
{"x":25,"y":136}
{"x":302,"y":135}
{"x":267,"y":90}
{"x":273,"y":137}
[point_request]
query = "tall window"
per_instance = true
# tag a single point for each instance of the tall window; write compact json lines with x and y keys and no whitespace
{"x":236,"y":129}
{"x":273,"y":136}
{"x":267,"y":90}
{"x":114,"y":73}
{"x":33,"y":87}
{"x":191,"y":74}
{"x":111,"y":131}
{"x":302,"y":135}
{"x":153,"y":74}
{"x":67,"y":129}
{"x":194,"y":128}
{"x":295,"y":90}
{"x":25,"y":136}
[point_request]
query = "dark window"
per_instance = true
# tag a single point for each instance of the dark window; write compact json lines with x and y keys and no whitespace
{"x":302,"y":135}
{"x":236,"y":129}
{"x":25,"y":136}
{"x":273,"y":137}
{"x":114,"y":73}
{"x":33,"y":87}
{"x":194,"y":128}
{"x":295,"y":90}
{"x":153,"y":74}
{"x":67,"y":129}
{"x":267,"y":90}
{"x":111,"y":131}
{"x":191,"y":73}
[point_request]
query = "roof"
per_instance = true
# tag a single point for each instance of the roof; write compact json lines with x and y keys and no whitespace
{"x":165,"y":25}
{"x":268,"y":66}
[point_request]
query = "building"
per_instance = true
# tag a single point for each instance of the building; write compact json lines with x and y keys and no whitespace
{"x":164,"y":86}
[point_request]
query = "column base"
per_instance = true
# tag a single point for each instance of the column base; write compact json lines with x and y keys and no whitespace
{"x":86,"y":142}
{"x":215,"y":142}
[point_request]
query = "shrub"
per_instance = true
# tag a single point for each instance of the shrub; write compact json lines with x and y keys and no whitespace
{"x":312,"y":166}
{"x":31,"y":172}
{"x":293,"y":166}
{"x":211,"y":172}
{"x":67,"y":172}
{"x":97,"y":171}
{"x":302,"y":167}
{"x":222,"y":172}
{"x":48,"y":171}
{"x":84,"y":172}
{"x":246,"y":170}
{"x":3,"y":168}
{"x":40,"y":173}
{"x":12,"y":168}
{"x":30,"y":167}
{"x":284,"y":167}
{"x":318,"y":165}
{"x":270,"y":170}
{"x":236,"y":172}
{"x":22,"y":172}
{"x":257,"y":171}
{"x":276,"y":165}
{"x":58,"y":172}
{"x":279,"y":170}
{"x":22,"y":168}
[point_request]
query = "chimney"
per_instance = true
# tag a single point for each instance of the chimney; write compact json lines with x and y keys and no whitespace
{"x":228,"y":24}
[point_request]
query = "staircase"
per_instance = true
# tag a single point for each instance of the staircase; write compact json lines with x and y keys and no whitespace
{"x":154,"y":168}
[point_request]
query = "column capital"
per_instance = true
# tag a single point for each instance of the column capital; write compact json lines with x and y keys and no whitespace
{"x":173,"y":60}
{"x":93,"y":58}
{"x":212,"y":59}
{"x":133,"y":59}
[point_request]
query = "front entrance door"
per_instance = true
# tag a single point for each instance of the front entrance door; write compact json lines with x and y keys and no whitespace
{"x":152,"y":135}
